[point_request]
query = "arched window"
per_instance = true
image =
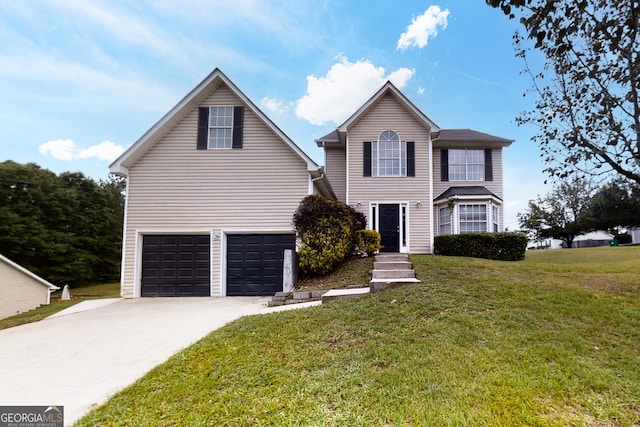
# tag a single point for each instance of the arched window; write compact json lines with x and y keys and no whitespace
{"x":389,"y":155}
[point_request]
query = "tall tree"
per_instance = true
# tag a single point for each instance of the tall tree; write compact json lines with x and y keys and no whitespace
{"x":65,"y":228}
{"x":588,"y":91}
{"x":562,"y":214}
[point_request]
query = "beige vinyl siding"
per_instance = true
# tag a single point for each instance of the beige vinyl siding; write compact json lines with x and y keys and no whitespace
{"x":175,"y":188}
{"x":336,"y":170}
{"x":20,"y":292}
{"x":388,"y":114}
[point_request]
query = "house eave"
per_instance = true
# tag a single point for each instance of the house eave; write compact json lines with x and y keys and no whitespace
{"x":33,"y":276}
{"x":466,"y":138}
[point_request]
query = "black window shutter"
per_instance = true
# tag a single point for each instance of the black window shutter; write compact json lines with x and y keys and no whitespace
{"x":203,"y":128}
{"x":411,"y":158}
{"x":444,"y":165}
{"x":488,"y":165}
{"x":366,"y":162}
{"x":238,"y":118}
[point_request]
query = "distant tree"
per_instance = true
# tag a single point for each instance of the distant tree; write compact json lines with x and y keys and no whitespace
{"x":65,"y":228}
{"x":562,"y":214}
{"x":613,"y":206}
{"x":588,"y":92}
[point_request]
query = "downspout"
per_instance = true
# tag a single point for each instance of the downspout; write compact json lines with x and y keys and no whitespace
{"x":49,"y":292}
{"x":431,"y":207}
{"x":316,"y":179}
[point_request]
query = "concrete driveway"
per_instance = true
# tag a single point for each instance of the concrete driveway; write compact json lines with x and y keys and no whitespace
{"x":82,"y":356}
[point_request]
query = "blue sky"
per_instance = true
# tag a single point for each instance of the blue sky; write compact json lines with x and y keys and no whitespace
{"x":81,"y":80}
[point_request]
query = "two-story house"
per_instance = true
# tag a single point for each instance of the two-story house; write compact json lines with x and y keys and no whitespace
{"x":412,"y":179}
{"x":213,"y":185}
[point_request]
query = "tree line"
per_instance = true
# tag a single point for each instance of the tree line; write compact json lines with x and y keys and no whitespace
{"x":575,"y":206}
{"x":66,"y":228}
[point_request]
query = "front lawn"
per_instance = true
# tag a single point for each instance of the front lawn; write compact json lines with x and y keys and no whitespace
{"x":550,"y":341}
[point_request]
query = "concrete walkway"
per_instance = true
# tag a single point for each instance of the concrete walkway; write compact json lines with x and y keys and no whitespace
{"x":82,"y":356}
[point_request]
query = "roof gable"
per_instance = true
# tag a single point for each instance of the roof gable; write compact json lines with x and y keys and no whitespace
{"x":390,"y":89}
{"x":26,"y":272}
{"x":196,"y":96}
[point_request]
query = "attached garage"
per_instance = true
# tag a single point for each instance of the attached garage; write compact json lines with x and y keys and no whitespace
{"x":254,"y":263}
{"x":176,"y":266}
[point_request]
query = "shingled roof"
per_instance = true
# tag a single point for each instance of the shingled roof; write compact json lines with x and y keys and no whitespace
{"x":465,"y":191}
{"x":469,"y":135}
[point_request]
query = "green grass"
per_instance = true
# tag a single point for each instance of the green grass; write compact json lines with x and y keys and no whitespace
{"x":356,"y":271}
{"x":550,"y":341}
{"x":106,"y":290}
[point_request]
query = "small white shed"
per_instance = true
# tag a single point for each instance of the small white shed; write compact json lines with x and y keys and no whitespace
{"x":21,"y":290}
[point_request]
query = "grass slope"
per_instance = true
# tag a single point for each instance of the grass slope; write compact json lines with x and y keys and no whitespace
{"x":550,"y":341}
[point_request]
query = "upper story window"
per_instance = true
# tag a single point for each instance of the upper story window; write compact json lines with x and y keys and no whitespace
{"x":220,"y":127}
{"x":389,"y":155}
{"x":466,"y":165}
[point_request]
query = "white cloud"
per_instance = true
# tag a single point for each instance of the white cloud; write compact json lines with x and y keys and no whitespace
{"x":424,"y":26}
{"x":65,"y":149}
{"x":420,"y":90}
{"x":345,"y":87}
{"x":61,"y":149}
{"x":274,"y":105}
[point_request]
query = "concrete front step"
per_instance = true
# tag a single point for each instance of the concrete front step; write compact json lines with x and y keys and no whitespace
{"x":392,"y":257}
{"x":393,"y":274}
{"x":392,"y":265}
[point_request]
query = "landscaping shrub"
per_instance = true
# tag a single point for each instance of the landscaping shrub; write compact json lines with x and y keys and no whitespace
{"x":326,"y":229}
{"x":498,"y":246}
{"x":368,"y":241}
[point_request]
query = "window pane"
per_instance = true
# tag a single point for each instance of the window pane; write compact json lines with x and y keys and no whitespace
{"x":473,"y":218}
{"x":388,"y":155}
{"x":466,"y":165}
{"x":220,"y":127}
{"x":445,"y":221}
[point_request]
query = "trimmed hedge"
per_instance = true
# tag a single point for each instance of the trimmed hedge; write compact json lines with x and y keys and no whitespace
{"x":499,"y":246}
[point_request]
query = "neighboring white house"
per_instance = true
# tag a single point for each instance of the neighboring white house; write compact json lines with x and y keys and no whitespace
{"x":21,"y":289}
{"x":635,"y":235}
{"x":588,"y":240}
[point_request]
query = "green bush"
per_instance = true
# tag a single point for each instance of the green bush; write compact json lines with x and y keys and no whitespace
{"x":326,"y":229}
{"x":498,"y":246}
{"x":368,"y":241}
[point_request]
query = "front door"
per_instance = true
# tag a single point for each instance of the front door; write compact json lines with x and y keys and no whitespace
{"x":389,"y":224}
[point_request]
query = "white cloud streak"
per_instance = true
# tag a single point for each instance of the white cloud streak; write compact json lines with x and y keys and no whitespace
{"x":424,"y":26}
{"x":274,"y":105}
{"x":65,"y":149}
{"x":346,"y":86}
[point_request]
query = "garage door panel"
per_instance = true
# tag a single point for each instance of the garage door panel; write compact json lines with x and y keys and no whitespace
{"x":175,"y":265}
{"x":254,"y":263}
